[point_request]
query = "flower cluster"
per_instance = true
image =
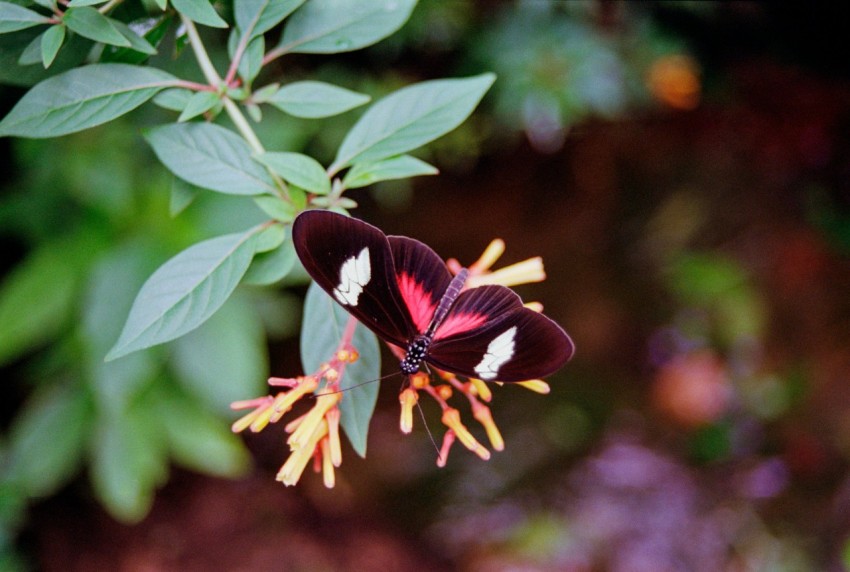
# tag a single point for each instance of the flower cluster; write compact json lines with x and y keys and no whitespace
{"x":315,"y":434}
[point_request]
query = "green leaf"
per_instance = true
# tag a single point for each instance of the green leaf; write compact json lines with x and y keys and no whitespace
{"x":174,"y":99}
{"x":185,"y":291}
{"x":182,"y":195}
{"x":270,"y":238}
{"x":312,"y":99}
{"x":299,"y":170}
{"x":276,"y":207}
{"x":37,"y":298}
{"x":200,"y":11}
{"x":47,"y":440}
{"x":200,"y":102}
{"x":271,"y":267}
{"x":32,"y":53}
{"x":333,"y":26}
{"x":411,"y":117}
{"x":251,"y":62}
{"x":91,"y":24}
{"x":255,"y":17}
{"x":401,"y":167}
{"x":113,"y":283}
{"x":225,"y":359}
{"x":321,"y":331}
{"x":144,"y":35}
{"x":137,"y":43}
{"x":82,"y":98}
{"x":78,"y":3}
{"x":14,"y":18}
{"x":199,"y":441}
{"x":129,"y":460}
{"x":51,"y":41}
{"x":211,"y":157}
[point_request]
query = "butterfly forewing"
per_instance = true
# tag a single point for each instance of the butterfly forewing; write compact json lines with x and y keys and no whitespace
{"x":352,"y":261}
{"x":489,"y":335}
{"x":422,"y":279}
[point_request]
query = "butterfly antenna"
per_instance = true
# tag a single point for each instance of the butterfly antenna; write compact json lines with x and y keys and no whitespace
{"x":425,"y":422}
{"x":358,"y":384}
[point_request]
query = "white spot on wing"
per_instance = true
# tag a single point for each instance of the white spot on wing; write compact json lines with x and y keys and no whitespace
{"x":354,"y":274}
{"x":499,"y":351}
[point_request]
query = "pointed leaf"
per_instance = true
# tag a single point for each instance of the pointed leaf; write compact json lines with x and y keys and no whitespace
{"x":211,"y":157}
{"x":82,"y":98}
{"x":78,"y":3}
{"x":255,"y":17}
{"x":411,"y":117}
{"x":33,"y":308}
{"x":200,"y":11}
{"x":14,"y":18}
{"x":185,"y":291}
{"x":48,"y":438}
{"x":137,"y":43}
{"x":401,"y":167}
{"x":174,"y":99}
{"x":299,"y":170}
{"x":333,"y":26}
{"x":313,"y":99}
{"x":270,"y":267}
{"x":91,"y":24}
{"x":144,"y":36}
{"x":51,"y":41}
{"x":276,"y":207}
{"x":225,"y":359}
{"x":198,"y":440}
{"x":251,"y":62}
{"x":32,"y":53}
{"x":182,"y":195}
{"x":129,"y":460}
{"x":321,"y":331}
{"x":200,"y":102}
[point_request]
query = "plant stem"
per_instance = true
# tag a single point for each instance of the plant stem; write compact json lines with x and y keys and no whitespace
{"x":201,"y":53}
{"x":230,"y":106}
{"x":109,"y":6}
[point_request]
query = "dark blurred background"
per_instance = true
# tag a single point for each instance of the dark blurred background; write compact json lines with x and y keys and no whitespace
{"x":682,"y":167}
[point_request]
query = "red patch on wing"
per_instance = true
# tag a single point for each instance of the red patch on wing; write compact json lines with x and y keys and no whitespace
{"x":418,"y":301}
{"x":457,"y":323}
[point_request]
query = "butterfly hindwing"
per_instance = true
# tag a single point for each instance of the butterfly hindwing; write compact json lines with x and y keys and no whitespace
{"x":352,"y":261}
{"x":422,"y":278}
{"x":488,"y":334}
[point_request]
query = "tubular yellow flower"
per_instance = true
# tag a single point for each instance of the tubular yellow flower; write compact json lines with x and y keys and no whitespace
{"x":489,"y":257}
{"x":448,"y":441}
{"x":536,"y":385}
{"x":314,"y":418}
{"x":481,"y":389}
{"x":408,"y":399}
{"x":482,"y":414}
{"x":294,"y":466}
{"x":451,"y":418}
{"x":327,"y":464}
{"x":524,"y":272}
{"x":332,"y":418}
{"x":260,"y":404}
{"x":536,"y":306}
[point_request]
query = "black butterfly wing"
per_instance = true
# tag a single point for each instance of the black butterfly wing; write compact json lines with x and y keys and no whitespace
{"x":352,"y":261}
{"x":422,"y":279}
{"x":488,"y":334}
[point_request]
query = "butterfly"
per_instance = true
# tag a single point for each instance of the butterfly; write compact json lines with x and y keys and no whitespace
{"x":403,"y":291}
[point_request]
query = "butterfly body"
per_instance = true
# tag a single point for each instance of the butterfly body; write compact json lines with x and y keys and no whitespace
{"x":402,"y":291}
